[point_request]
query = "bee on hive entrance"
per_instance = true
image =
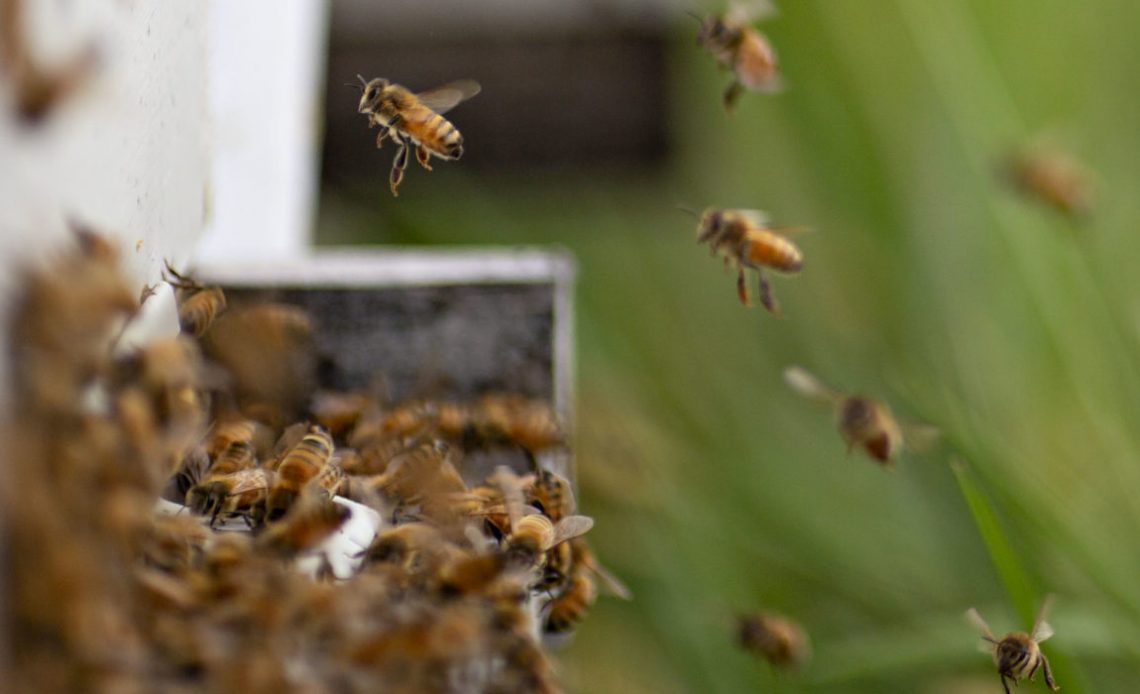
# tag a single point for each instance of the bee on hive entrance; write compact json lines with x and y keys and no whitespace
{"x":415,"y":119}
{"x":739,"y":48}
{"x":1017,"y":655}
{"x":746,"y":238}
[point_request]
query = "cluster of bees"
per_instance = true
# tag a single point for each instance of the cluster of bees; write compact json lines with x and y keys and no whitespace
{"x":457,"y":591}
{"x":746,"y":239}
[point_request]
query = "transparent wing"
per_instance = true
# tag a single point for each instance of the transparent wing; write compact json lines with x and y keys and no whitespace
{"x":748,"y":11}
{"x":1041,"y":628}
{"x":508,"y":483}
{"x":920,"y":438}
{"x":975,"y":618}
{"x":443,"y":99}
{"x":610,"y":582}
{"x":249,"y":480}
{"x":571,"y":527}
{"x":803,"y":382}
{"x":757,"y":217}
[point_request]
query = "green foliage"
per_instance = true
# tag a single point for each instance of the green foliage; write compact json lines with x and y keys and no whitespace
{"x":926,"y":283}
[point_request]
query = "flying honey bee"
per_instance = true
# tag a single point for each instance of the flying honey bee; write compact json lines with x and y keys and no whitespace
{"x":1017,"y":654}
{"x":415,"y":119}
{"x":301,"y":464}
{"x":862,"y":421}
{"x":198,"y":305}
{"x":741,"y":49}
{"x":1053,"y":178}
{"x":746,"y":238}
{"x":775,"y":638}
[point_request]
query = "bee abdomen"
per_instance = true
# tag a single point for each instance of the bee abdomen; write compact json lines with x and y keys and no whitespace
{"x":775,"y":252}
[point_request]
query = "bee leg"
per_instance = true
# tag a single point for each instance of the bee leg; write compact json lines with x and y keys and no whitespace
{"x":380,"y":138}
{"x":1048,"y":673}
{"x":742,"y":286}
{"x":1005,"y":685}
{"x":398,"y":165}
{"x":732,"y":95}
{"x":766,"y":298}
{"x":422,"y":156}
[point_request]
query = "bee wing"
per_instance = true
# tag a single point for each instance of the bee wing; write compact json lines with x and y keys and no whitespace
{"x":443,"y":99}
{"x":508,"y":483}
{"x":249,"y":480}
{"x":920,"y":438}
{"x":975,"y":619}
{"x":610,"y":582}
{"x":1041,"y":628}
{"x":571,"y":527}
{"x":803,"y":382}
{"x":748,"y":11}
{"x":757,"y":217}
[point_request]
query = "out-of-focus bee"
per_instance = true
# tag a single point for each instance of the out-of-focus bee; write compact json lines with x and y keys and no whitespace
{"x":526,"y":422}
{"x":775,"y":638}
{"x":534,"y":535}
{"x":1017,"y":654}
{"x":198,"y":305}
{"x":746,"y":238}
{"x":741,"y":49}
{"x":1053,"y":178}
{"x":569,"y":608}
{"x":306,"y":524}
{"x":862,"y":421}
{"x":37,"y":90}
{"x":415,"y":119}
{"x":303,"y":463}
{"x":338,"y":413}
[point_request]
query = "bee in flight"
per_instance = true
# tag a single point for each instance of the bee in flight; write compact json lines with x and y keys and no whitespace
{"x":1017,"y":654}
{"x":1052,"y":178}
{"x":775,"y":638}
{"x":415,"y":120}
{"x":746,"y":238}
{"x":739,"y":48}
{"x":863,"y":421}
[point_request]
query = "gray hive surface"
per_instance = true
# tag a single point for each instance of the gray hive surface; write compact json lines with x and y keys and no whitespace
{"x":446,"y":325}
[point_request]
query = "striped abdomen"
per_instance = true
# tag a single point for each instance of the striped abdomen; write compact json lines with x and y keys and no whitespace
{"x":433,"y":131}
{"x":1016,"y":656}
{"x":197,"y":312}
{"x":302,"y":463}
{"x":769,"y":249}
{"x":239,"y":455}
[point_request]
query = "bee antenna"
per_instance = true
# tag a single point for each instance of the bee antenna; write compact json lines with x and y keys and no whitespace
{"x":694,"y":15}
{"x":689,"y":210}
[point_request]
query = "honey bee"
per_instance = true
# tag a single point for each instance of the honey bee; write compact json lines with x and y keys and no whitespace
{"x":862,"y":421}
{"x":569,"y":608}
{"x":741,"y":49}
{"x":534,"y":535}
{"x":745,"y":238}
{"x":198,"y":305}
{"x":552,"y":494}
{"x":230,"y":485}
{"x":1054,"y":179}
{"x":306,"y":524}
{"x":414,"y":119}
{"x":301,"y":464}
{"x":1017,"y":654}
{"x":775,"y":638}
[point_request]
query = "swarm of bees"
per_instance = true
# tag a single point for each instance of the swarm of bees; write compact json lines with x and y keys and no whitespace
{"x":410,"y":119}
{"x":456,"y":591}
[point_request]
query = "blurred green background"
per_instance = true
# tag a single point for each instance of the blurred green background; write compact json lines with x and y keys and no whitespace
{"x":926,"y":283}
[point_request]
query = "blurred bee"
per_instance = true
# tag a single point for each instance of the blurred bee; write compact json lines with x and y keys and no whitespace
{"x":535,"y":535}
{"x":569,"y":608}
{"x":741,"y":49}
{"x":303,"y":463}
{"x":1054,"y":179}
{"x":37,"y":90}
{"x":863,"y":421}
{"x":1017,"y":654}
{"x":198,"y":306}
{"x":307,"y":523}
{"x":338,"y":413}
{"x":415,"y":119}
{"x":508,"y":417}
{"x":745,"y":238}
{"x":775,"y":638}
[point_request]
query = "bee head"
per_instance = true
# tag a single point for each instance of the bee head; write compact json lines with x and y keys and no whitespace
{"x":371,"y":91}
